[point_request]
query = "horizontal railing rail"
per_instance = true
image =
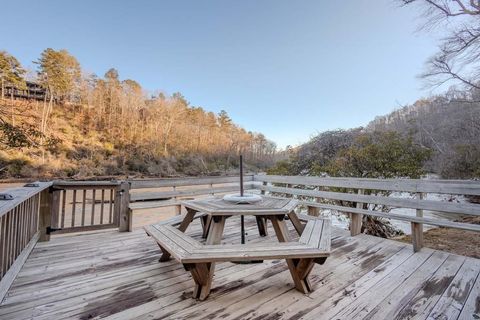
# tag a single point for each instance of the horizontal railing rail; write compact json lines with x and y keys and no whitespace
{"x":463,"y":187}
{"x":16,"y":196}
{"x":440,"y":206}
{"x":181,"y":182}
{"x":186,"y":193}
{"x":348,"y":195}
{"x":170,"y":191}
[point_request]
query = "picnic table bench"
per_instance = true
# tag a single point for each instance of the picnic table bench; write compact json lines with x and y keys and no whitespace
{"x":312,"y":247}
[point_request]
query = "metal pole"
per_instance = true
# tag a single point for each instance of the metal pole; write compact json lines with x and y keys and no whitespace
{"x":242,"y":222}
{"x":242,"y":229}
{"x":241,"y":175}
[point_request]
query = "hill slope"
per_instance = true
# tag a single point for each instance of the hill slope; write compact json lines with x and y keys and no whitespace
{"x":450,"y":126}
{"x":164,"y":137}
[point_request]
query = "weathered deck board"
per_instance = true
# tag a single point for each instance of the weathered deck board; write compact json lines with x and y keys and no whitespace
{"x":117,"y":275}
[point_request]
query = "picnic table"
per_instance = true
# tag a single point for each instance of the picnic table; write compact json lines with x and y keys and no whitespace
{"x":217,"y":210}
{"x":312,"y":247}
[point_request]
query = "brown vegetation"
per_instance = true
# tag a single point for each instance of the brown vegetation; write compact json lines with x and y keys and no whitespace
{"x":461,"y":242}
{"x":159,"y":136}
{"x":90,"y":126}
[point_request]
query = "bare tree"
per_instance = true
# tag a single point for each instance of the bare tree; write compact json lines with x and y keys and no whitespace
{"x":458,"y":57}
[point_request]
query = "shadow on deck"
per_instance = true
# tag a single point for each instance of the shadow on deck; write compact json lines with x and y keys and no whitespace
{"x":117,"y":275}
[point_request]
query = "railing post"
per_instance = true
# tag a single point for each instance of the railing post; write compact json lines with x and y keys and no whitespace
{"x":314,"y":211}
{"x":356,"y":218}
{"x":417,"y":228}
{"x":178,"y":209}
{"x":45,"y":214}
{"x":288,"y":186}
{"x":55,"y":207}
{"x":125,"y":215}
{"x":264,"y":183}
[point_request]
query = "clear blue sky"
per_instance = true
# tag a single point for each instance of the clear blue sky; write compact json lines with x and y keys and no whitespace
{"x":286,"y":68}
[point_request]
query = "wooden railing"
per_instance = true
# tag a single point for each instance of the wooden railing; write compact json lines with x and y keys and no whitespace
{"x":168,"y":191}
{"x":317,"y":193}
{"x":21,"y":225}
{"x":35,"y":212}
{"x":89,"y":205}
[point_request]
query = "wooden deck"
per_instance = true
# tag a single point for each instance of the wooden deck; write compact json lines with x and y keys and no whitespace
{"x":117,"y":275}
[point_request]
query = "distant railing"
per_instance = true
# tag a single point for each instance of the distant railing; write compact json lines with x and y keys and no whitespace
{"x":168,"y":191}
{"x":313,"y":191}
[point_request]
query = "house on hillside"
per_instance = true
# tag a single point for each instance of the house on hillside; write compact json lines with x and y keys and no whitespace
{"x":32,"y":91}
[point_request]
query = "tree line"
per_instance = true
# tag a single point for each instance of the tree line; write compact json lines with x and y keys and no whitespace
{"x":439,"y":135}
{"x":108,"y":125}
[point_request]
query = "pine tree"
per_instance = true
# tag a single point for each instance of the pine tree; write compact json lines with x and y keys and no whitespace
{"x":11,"y":72}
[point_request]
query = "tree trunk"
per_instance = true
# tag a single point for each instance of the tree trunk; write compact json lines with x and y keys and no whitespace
{"x":12,"y":108}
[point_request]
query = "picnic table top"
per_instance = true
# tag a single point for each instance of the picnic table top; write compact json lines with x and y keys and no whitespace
{"x":216,"y":206}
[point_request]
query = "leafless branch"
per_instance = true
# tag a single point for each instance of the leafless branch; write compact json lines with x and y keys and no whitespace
{"x":458,"y":59}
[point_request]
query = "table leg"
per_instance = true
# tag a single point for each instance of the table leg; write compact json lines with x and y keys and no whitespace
{"x":201,"y":273}
{"x":187,"y":220}
{"x":206,"y":220}
{"x":299,"y":268}
{"x":280,"y":228}
{"x":297,"y":224}
{"x":262,"y":226}
{"x":215,"y":233}
{"x":205,"y":271}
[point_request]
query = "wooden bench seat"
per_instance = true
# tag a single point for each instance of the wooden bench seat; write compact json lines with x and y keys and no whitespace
{"x":317,"y":234}
{"x":312,"y":247}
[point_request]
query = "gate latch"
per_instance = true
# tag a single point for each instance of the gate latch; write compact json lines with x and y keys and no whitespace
{"x":32,"y":185}
{"x":50,"y":229}
{"x":6,"y":196}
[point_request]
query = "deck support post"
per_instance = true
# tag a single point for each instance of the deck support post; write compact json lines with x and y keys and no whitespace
{"x":417,"y":236}
{"x":263,"y":191}
{"x":288,"y":195}
{"x":123,"y":211}
{"x":314,"y":211}
{"x":356,"y":218}
{"x":417,"y":228}
{"x":130,"y":220}
{"x":178,"y":209}
{"x":49,"y":206}
{"x":45,"y":215}
{"x":55,"y":207}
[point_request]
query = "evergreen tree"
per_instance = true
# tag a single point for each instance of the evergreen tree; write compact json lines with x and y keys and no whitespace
{"x":11,"y":72}
{"x":59,"y":72}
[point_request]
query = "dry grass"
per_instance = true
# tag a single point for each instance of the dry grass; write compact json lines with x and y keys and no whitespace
{"x":462,"y":242}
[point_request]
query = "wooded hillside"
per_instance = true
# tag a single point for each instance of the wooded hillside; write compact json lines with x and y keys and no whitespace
{"x":440,"y":135}
{"x":89,"y":125}
{"x":448,"y":124}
